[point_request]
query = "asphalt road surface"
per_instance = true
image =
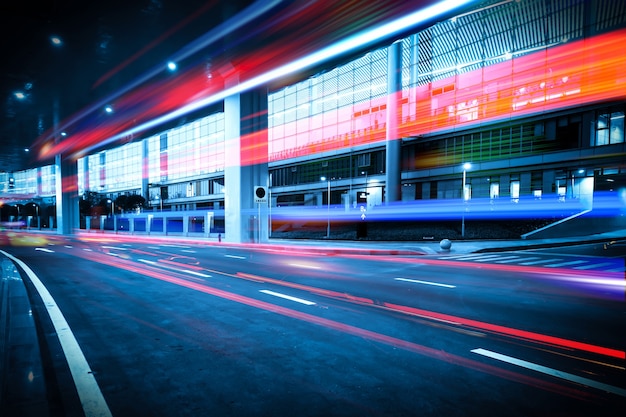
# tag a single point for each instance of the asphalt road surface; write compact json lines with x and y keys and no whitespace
{"x":192,"y":329}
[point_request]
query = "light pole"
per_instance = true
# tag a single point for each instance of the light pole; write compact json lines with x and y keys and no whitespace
{"x":466,"y":167}
{"x":328,"y":209}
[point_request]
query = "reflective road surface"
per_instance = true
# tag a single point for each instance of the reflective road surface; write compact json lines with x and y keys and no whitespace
{"x":164,"y":328}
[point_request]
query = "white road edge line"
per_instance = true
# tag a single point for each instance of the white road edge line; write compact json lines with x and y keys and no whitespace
{"x":425,"y":282}
{"x":45,"y":250}
{"x":550,"y":371}
{"x":91,"y":398}
{"x":288,"y":297}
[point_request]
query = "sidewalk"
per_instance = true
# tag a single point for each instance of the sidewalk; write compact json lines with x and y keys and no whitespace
{"x":22,"y":382}
{"x":336,"y":246}
{"x":434,"y":247}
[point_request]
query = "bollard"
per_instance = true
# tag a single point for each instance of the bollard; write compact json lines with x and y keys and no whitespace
{"x":219,"y":237}
{"x":445,"y":244}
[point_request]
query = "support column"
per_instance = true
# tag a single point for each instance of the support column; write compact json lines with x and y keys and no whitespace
{"x":66,"y":172}
{"x":246,"y":165}
{"x":145,"y":170}
{"x":394,"y":112}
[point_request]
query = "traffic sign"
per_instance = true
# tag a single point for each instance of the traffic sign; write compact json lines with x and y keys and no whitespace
{"x":260,"y":194}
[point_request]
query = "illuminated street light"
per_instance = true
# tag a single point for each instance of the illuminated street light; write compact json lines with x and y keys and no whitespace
{"x":112,"y":207}
{"x":55,"y":40}
{"x":466,"y":167}
{"x":108,"y":109}
{"x":328,"y":209}
{"x":172,"y":66}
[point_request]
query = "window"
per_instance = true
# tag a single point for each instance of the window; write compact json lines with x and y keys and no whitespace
{"x":494,"y":190}
{"x":609,"y":128}
{"x":515,"y":188}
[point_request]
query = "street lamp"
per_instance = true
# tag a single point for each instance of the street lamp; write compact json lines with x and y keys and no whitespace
{"x":328,"y":209}
{"x":466,"y":167}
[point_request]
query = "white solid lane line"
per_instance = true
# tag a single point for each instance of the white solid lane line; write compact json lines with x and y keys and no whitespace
{"x":568,"y":263}
{"x":113,"y":247}
{"x":542,"y":261}
{"x":288,"y":297}
{"x":235,"y":256}
{"x":91,"y":397}
{"x":549,"y":371}
{"x":44,"y":250}
{"x":200,"y":274}
{"x":592,"y":265}
{"x":417,"y":281}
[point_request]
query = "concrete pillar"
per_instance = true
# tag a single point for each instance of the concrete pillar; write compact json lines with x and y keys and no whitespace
{"x":185,"y":225}
{"x":66,"y":172}
{"x":245,"y":117}
{"x":145,"y":170}
{"x":394,"y":113}
{"x":208,"y":224}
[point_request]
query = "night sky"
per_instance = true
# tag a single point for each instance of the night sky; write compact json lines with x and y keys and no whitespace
{"x":105,"y":44}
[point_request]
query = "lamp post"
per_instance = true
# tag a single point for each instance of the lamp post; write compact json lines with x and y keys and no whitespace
{"x":466,"y":167}
{"x":328,"y":209}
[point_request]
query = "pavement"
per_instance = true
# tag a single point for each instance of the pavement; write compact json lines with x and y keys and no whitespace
{"x":23,"y":383}
{"x":431,"y":247}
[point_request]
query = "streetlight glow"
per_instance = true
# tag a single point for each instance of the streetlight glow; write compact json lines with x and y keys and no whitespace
{"x":327,"y":209}
{"x":465,"y":194}
{"x":171,"y":66}
{"x":56,"y":41}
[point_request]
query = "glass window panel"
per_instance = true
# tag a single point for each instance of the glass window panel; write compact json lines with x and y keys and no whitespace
{"x":617,"y":127}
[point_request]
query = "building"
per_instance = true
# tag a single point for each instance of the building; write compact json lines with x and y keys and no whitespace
{"x":529,"y":92}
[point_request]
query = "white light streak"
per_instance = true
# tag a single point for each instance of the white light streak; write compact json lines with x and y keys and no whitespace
{"x":359,"y":40}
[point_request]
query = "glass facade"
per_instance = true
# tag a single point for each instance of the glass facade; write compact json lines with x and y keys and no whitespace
{"x":189,"y":151}
{"x":318,"y":114}
{"x":609,"y":127}
{"x":477,"y":88}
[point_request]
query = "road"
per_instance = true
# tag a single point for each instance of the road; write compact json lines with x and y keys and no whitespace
{"x":184,"y":328}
